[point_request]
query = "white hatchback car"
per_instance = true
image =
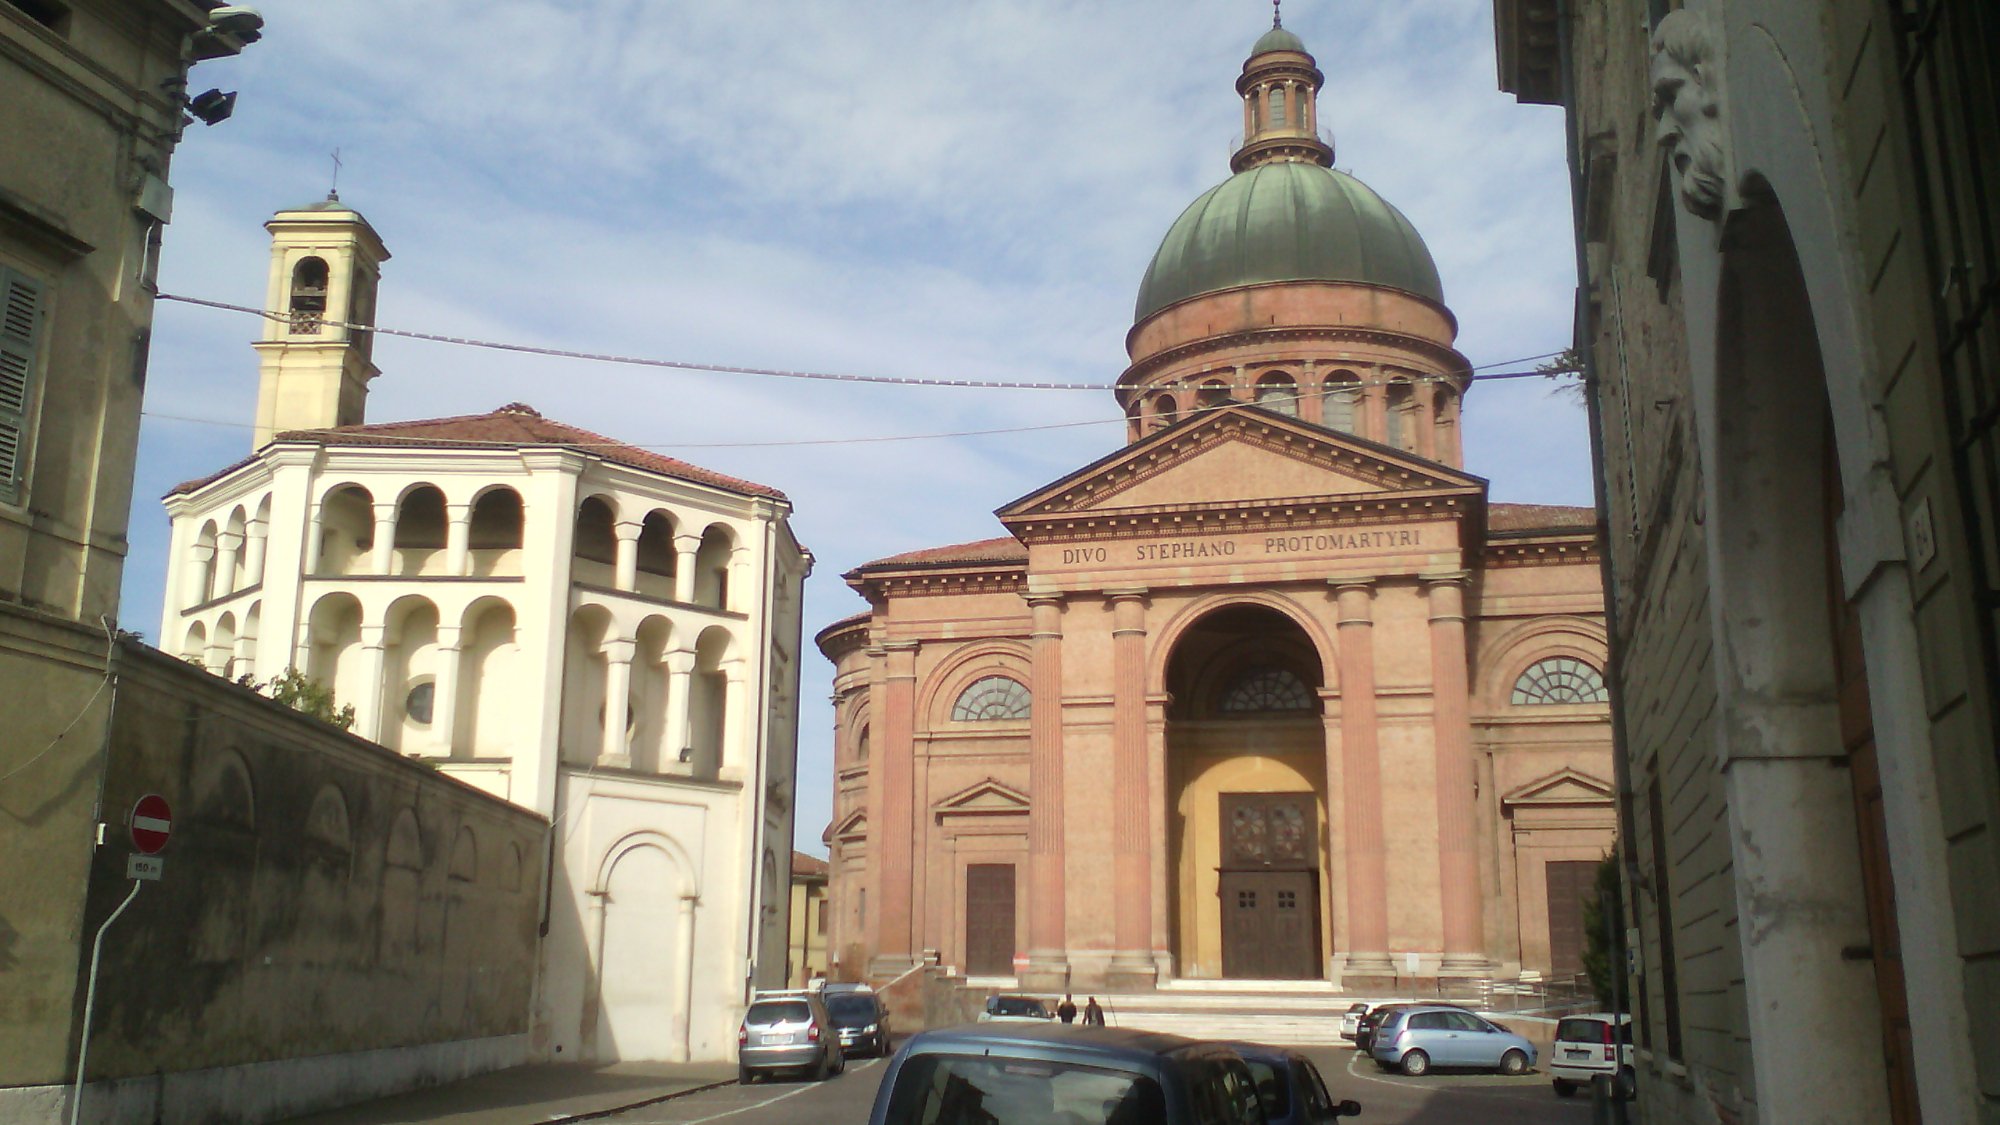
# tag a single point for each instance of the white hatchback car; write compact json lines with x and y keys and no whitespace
{"x":1586,"y":1046}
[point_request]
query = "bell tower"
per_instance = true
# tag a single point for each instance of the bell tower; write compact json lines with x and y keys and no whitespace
{"x":326,"y":262}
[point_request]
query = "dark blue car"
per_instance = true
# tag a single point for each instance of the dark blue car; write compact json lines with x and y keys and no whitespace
{"x":1037,"y":1074}
{"x":1289,"y":1086}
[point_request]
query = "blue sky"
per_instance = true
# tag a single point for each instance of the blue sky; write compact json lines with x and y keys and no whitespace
{"x":968,"y":189}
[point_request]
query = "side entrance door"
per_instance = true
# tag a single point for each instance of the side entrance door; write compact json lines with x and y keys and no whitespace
{"x":989,"y":919}
{"x":1269,"y":886}
{"x":1570,"y":882}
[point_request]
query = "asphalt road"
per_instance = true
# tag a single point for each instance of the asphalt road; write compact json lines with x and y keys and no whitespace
{"x":1386,"y":1099}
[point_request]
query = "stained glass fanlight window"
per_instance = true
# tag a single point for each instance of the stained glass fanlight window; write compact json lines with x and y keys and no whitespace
{"x":991,"y":698}
{"x":1267,"y":689}
{"x":1559,"y":679}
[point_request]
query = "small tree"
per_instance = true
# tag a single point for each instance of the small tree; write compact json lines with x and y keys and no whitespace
{"x":1604,"y":929}
{"x":300,"y":692}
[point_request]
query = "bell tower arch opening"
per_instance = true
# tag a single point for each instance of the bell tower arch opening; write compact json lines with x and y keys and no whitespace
{"x":1246,"y":805}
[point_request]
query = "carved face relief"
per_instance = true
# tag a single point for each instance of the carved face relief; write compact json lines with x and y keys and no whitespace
{"x":1687,"y":107}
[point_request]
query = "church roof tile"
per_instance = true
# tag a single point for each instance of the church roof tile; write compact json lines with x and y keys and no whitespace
{"x":1004,"y":549}
{"x":514,"y":424}
{"x":1538,"y":517}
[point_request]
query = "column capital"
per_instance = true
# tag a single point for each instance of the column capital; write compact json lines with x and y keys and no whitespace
{"x":679,"y":662}
{"x":1127,"y":594}
{"x":627,"y":530}
{"x":448,"y":636}
{"x":687,"y":544}
{"x":229,"y":540}
{"x":372,"y":636}
{"x":203,"y":551}
{"x":1045,"y":597}
{"x":1362,"y":585}
{"x":385,"y":510}
{"x":620,"y":650}
{"x":1445,"y":578}
{"x":457,"y":510}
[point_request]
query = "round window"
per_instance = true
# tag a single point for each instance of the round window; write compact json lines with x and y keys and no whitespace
{"x":418,"y":704}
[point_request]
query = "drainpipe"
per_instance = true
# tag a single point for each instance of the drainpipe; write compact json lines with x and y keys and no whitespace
{"x":761,"y":701}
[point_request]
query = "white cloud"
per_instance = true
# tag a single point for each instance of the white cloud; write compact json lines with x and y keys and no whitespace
{"x":969,"y":190}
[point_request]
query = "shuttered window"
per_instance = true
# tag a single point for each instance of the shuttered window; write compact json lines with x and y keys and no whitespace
{"x":20,"y":334}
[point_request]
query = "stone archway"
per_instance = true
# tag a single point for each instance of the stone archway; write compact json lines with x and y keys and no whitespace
{"x":1246,"y":800}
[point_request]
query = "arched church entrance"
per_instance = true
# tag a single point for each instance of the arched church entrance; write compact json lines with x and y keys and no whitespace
{"x":1246,"y":769}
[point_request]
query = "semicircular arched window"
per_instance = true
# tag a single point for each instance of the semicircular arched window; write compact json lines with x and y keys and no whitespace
{"x":1559,"y":679}
{"x":991,"y":698}
{"x":1267,"y":689}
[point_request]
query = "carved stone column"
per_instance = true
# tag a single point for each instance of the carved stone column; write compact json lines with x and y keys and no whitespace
{"x":892,"y":831}
{"x":680,"y":683}
{"x":685,"y":547}
{"x":227,"y":546}
{"x":382,"y":559}
{"x":1367,"y":864}
{"x":458,"y":540}
{"x":200,"y":576}
{"x":368,"y":708}
{"x":256,"y":539}
{"x":738,"y":742}
{"x":1457,"y":808}
{"x":1132,"y":964}
{"x":625,"y":572}
{"x":615,"y":750}
{"x":1048,"y":923}
{"x":315,"y":540}
{"x":444,"y":690}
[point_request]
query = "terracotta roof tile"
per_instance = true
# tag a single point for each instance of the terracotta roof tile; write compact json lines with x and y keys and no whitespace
{"x":1538,"y":517}
{"x":1004,"y":549}
{"x":514,"y":424}
{"x":810,"y":866}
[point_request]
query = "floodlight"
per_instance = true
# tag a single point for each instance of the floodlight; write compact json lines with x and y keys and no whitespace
{"x":213,"y":106}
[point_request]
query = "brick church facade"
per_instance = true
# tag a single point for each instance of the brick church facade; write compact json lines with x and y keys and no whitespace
{"x":1273,"y":691}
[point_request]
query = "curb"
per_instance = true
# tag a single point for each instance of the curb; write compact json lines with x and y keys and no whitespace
{"x":641,"y":1104}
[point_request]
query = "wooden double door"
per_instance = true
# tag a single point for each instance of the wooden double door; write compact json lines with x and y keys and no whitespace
{"x":989,"y":919}
{"x":1269,"y":886}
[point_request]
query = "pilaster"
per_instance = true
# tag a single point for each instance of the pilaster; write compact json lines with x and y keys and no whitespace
{"x":1367,"y":860}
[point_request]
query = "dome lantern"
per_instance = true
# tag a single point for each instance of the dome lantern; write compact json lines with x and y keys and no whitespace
{"x":1280,"y":90}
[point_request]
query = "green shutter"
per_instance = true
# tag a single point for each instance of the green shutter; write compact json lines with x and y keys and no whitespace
{"x":20,"y":332}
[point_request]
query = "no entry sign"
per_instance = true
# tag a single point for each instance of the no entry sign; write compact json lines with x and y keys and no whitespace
{"x":152,"y":822}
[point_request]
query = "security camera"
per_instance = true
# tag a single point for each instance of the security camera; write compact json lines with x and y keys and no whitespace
{"x":213,"y":106}
{"x":236,"y":20}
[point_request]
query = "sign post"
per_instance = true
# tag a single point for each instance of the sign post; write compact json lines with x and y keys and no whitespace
{"x":151,"y":822}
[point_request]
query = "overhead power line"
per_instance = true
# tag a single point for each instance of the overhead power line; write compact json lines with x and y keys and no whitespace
{"x":729,"y":369}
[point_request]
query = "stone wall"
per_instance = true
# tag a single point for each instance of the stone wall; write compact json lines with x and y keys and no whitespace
{"x":322,"y":897}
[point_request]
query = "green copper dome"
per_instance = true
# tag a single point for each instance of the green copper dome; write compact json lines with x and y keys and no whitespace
{"x":1278,"y":39}
{"x":1290,"y":221}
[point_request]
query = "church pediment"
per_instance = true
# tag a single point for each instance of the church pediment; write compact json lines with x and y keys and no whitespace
{"x":1246,"y":455}
{"x":1565,"y":787}
{"x":853,"y":829}
{"x":987,"y":798}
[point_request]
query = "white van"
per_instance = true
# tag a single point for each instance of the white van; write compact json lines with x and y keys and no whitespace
{"x":1586,"y":1047}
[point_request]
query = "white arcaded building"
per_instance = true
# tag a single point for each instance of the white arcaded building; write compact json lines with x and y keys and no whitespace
{"x":602,"y":634}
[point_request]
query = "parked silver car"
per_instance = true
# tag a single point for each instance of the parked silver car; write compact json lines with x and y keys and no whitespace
{"x":787,"y":1031}
{"x":1423,"y":1036}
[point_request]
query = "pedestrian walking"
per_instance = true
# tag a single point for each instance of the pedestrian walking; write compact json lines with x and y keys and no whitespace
{"x":1093,"y":1014}
{"x":1066,"y":1011}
